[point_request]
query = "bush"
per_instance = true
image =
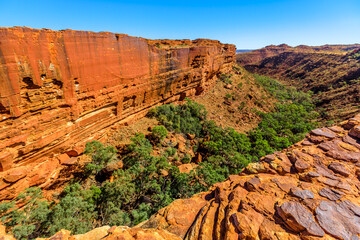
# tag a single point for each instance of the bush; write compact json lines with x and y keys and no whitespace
{"x":226,"y":78}
{"x":159,"y":133}
{"x":76,"y":210}
{"x":186,"y":159}
{"x":100,"y":156}
{"x":170,"y":151}
{"x":186,"y":118}
{"x":29,"y":221}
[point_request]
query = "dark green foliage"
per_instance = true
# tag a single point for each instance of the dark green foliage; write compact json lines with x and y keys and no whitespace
{"x":186,"y":159}
{"x":170,"y":151}
{"x":186,"y":118}
{"x":226,"y":149}
{"x":76,"y":210}
{"x":292,"y":119}
{"x":141,"y":188}
{"x":158,"y":133}
{"x":31,"y":220}
{"x":100,"y":156}
{"x":285,"y":94}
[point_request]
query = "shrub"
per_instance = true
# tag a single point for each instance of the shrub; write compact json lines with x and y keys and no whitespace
{"x":170,"y":151}
{"x":186,"y":118}
{"x":76,"y":210}
{"x":186,"y":159}
{"x":228,"y":96}
{"x":29,"y":221}
{"x":159,"y":133}
{"x":100,"y":156}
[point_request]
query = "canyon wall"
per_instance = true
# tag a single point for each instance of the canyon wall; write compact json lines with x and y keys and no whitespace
{"x":60,"y":89}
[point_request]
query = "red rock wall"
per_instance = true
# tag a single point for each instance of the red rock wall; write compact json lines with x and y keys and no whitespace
{"x":58,"y":88}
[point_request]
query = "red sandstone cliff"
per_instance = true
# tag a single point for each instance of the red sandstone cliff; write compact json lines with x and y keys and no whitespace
{"x":59,"y":88}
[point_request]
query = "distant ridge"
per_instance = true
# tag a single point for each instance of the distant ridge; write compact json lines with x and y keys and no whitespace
{"x":244,"y":50}
{"x":331,"y":72}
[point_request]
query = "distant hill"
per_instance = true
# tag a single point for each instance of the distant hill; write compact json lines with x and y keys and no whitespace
{"x":254,"y":56}
{"x":243,"y":50}
{"x":332,"y":72}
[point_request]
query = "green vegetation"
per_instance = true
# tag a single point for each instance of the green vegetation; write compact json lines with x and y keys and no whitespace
{"x":158,"y":133}
{"x":355,"y":55}
{"x":100,"y":156}
{"x":226,"y":78}
{"x":186,"y":118}
{"x":31,"y":220}
{"x":149,"y":181}
{"x":292,"y":119}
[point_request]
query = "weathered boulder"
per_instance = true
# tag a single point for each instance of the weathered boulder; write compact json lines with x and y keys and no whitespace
{"x":331,"y":194}
{"x":303,"y":194}
{"x":339,"y":168}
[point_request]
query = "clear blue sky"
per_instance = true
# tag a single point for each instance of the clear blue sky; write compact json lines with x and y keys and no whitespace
{"x":249,"y":24}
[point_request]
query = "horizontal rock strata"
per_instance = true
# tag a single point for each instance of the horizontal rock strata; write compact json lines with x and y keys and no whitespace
{"x":60,"y":89}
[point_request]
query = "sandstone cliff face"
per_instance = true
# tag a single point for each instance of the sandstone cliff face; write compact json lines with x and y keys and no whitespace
{"x":60,"y":89}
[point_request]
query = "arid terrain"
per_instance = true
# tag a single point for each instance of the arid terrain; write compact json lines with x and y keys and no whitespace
{"x":331,"y":72}
{"x":108,"y":136}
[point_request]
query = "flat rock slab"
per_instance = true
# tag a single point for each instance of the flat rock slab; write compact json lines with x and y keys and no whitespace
{"x":303,"y":194}
{"x":331,"y":194}
{"x":341,"y":220}
{"x":324,"y":132}
{"x":339,"y":168}
{"x":299,"y":219}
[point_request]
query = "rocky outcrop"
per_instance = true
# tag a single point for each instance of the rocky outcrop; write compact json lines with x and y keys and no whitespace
{"x":308,"y":191}
{"x":60,"y":89}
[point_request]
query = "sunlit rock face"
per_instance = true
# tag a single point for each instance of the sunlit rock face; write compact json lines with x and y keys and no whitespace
{"x":310,"y":190}
{"x":59,"y":89}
